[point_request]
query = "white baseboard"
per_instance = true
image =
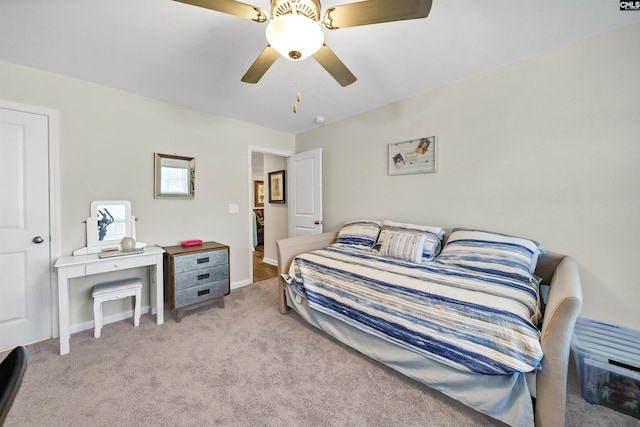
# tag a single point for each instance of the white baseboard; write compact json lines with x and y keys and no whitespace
{"x":270,"y":261}
{"x":240,"y":284}
{"x":108,"y":319}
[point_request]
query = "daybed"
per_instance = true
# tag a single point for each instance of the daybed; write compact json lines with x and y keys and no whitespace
{"x":511,"y":395}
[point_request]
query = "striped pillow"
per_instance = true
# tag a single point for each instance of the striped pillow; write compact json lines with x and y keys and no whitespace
{"x":493,"y":253}
{"x":404,"y":246}
{"x":358,"y":235}
{"x":433,"y":237}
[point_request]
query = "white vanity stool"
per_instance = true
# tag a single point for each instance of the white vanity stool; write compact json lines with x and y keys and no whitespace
{"x":116,"y":289}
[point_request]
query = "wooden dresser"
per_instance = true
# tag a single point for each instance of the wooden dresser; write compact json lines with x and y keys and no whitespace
{"x":196,"y":275}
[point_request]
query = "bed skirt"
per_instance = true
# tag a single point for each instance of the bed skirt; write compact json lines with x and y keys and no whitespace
{"x":504,"y":397}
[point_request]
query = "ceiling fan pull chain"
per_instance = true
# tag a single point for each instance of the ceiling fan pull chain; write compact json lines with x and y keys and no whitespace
{"x":298,"y":97}
{"x":295,"y":106}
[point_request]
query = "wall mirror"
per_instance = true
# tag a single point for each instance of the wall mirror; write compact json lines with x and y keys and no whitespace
{"x":109,"y":222}
{"x":174,"y":176}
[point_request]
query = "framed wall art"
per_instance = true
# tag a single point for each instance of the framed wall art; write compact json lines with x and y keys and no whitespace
{"x":258,"y":194}
{"x":276,"y":187}
{"x":415,"y":156}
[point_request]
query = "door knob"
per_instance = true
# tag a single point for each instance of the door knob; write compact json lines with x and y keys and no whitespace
{"x":38,"y":239}
{"x":317,"y":222}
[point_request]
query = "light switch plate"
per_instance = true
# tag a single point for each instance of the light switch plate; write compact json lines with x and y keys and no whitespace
{"x":234,"y":208}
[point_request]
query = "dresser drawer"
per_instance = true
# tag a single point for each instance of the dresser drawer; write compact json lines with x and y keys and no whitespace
{"x":199,"y":260}
{"x":189,"y":279}
{"x":201,"y":293}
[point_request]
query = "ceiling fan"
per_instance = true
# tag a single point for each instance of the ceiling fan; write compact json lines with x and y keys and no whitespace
{"x":294,"y":32}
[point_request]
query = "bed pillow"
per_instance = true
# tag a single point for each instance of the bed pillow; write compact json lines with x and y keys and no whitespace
{"x":404,"y":246}
{"x":490,"y":252}
{"x":433,"y":237}
{"x":359,"y":235}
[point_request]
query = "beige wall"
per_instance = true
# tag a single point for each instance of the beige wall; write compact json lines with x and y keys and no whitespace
{"x":275,"y":213}
{"x":106,"y":145}
{"x":545,"y":148}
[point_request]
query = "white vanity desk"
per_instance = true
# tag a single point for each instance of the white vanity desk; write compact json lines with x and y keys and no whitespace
{"x":109,"y":222}
{"x":85,"y":265}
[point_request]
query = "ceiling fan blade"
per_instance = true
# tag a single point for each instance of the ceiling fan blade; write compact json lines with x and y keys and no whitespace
{"x":374,"y":12}
{"x":260,"y":66}
{"x":231,"y":7}
{"x":334,"y":66}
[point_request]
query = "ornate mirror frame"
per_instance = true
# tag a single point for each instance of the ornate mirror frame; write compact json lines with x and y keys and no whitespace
{"x":174,"y":176}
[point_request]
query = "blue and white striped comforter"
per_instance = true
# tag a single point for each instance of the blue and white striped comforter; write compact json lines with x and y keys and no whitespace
{"x":472,"y":321}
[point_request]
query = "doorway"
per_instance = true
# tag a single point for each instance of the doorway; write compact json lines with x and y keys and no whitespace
{"x":262,"y":270}
{"x":268,"y":221}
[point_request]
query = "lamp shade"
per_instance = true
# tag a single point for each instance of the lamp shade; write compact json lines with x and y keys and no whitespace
{"x":295,"y":37}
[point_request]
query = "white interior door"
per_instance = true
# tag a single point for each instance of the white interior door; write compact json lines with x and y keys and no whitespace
{"x":305,"y":193}
{"x":25,"y":282}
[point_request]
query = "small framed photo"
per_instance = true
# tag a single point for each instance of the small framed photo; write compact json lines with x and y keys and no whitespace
{"x":415,"y":156}
{"x":258,"y":194}
{"x":276,"y":187}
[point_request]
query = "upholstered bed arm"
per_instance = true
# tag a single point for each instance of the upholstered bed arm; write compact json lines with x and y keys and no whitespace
{"x":563,"y":305}
{"x":289,"y":248}
{"x":287,"y":251}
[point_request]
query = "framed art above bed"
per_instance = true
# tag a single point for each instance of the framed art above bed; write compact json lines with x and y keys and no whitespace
{"x":414,"y":156}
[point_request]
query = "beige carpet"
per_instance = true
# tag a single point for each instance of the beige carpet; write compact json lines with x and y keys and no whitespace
{"x":244,"y":365}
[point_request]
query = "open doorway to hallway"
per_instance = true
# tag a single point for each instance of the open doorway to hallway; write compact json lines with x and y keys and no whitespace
{"x":269,"y":221}
{"x":262,"y":270}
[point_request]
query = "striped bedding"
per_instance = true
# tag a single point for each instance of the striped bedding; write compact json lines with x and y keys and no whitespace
{"x":472,"y":321}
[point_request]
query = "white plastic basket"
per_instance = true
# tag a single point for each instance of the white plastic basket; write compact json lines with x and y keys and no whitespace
{"x":608,"y":363}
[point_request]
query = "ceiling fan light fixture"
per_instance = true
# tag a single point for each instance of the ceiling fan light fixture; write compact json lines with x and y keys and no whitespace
{"x":295,"y":37}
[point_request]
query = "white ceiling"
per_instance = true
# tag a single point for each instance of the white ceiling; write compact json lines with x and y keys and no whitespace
{"x":195,"y":57}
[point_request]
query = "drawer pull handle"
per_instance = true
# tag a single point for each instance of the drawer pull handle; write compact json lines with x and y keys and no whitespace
{"x":203,"y":292}
{"x":203,"y":276}
{"x":203,"y":260}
